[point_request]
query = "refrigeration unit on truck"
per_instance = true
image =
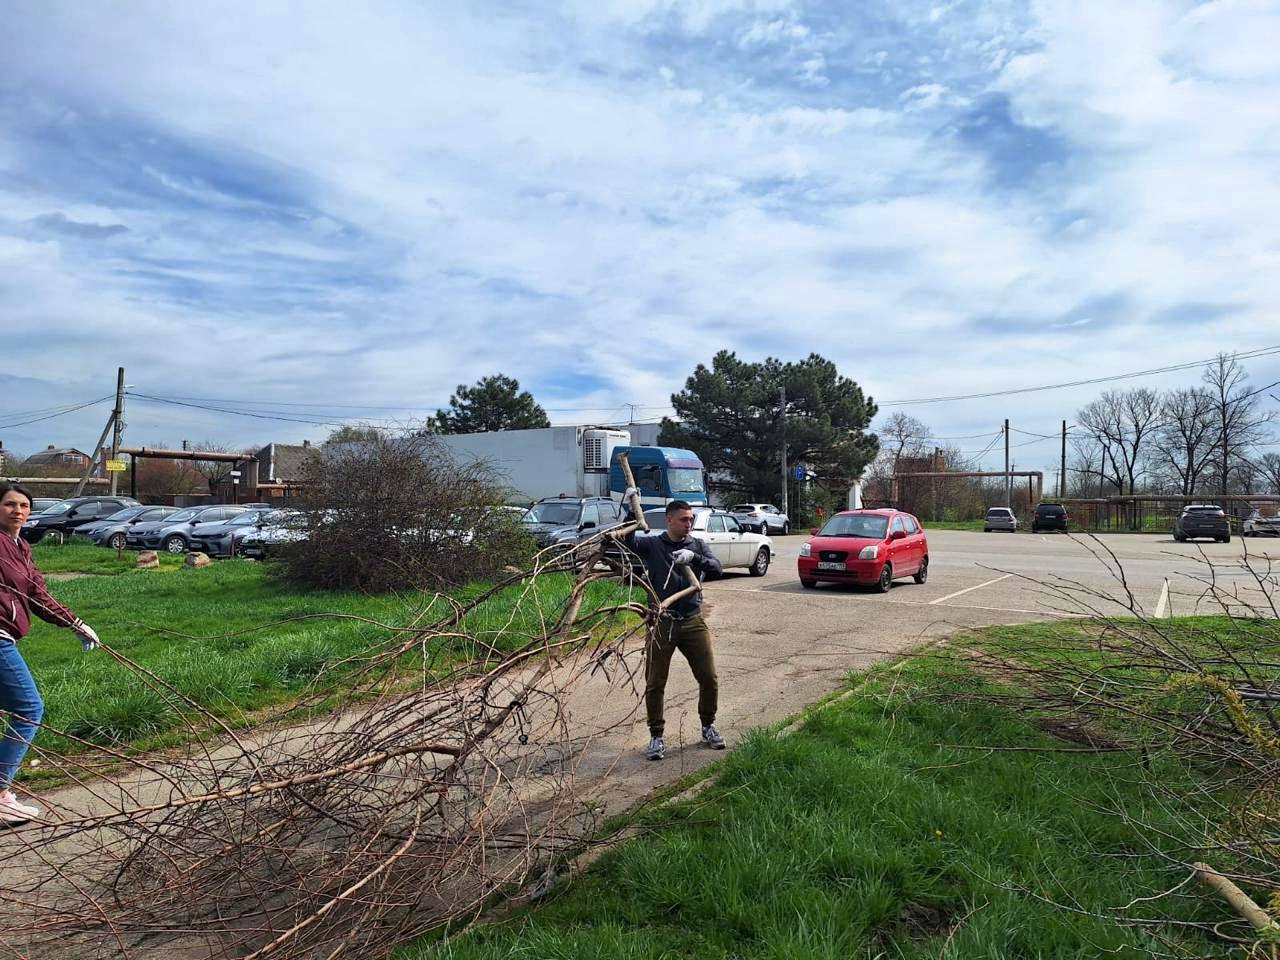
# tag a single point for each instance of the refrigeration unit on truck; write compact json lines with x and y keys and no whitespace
{"x":578,"y":461}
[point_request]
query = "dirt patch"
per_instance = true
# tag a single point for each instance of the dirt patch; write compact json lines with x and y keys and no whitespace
{"x":919,"y":922}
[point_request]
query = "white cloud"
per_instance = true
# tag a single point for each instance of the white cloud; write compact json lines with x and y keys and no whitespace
{"x":504,"y":191}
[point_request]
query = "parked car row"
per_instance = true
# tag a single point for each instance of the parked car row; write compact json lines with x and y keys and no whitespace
{"x":1046,"y":516}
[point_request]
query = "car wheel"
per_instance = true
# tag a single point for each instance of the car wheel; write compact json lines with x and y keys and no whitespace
{"x":809,"y":584}
{"x":886,"y":579}
{"x":116,"y":541}
{"x":1227,"y":538}
{"x":786,"y":528}
{"x":760,"y":566}
{"x":923,"y":573}
{"x":986,"y":529}
{"x":175,"y":543}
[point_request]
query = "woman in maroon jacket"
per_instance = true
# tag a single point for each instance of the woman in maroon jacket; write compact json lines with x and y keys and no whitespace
{"x":22,"y":592}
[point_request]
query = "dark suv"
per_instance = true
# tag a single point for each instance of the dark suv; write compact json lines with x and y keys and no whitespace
{"x":67,"y":515}
{"x":1202,"y":520}
{"x":1049,"y":516}
{"x":568,"y":521}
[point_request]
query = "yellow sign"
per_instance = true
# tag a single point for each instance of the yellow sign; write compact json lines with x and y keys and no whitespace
{"x":115,"y":466}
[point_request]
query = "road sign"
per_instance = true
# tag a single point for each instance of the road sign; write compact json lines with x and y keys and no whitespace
{"x":798,"y":471}
{"x":116,"y":466}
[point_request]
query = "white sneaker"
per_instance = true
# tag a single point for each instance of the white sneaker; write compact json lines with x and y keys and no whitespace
{"x":656,"y":749}
{"x":12,"y":810}
{"x":711,"y":737}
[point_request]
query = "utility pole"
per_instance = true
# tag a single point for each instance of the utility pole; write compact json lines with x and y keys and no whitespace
{"x":785,"y":508}
{"x":1062,"y":477}
{"x":1008,"y":480}
{"x":117,"y":416}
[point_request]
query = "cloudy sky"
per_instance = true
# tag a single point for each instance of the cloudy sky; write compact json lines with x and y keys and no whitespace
{"x":322,"y":211}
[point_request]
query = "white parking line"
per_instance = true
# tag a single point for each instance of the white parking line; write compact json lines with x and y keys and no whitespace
{"x":1164,"y":599}
{"x":815,"y":596}
{"x":960,"y":593}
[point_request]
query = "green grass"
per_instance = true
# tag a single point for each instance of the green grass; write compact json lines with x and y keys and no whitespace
{"x":78,"y":555}
{"x":874,"y":832}
{"x":951,"y":524}
{"x":233,"y":639}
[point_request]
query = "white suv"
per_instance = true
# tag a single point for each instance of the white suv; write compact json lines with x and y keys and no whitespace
{"x":1000,"y":518}
{"x":761,"y":517}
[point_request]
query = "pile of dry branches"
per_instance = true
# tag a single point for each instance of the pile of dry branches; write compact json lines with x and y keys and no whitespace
{"x":339,"y":836}
{"x":1202,"y":693}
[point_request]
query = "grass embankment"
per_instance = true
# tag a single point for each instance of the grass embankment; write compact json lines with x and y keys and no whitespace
{"x":234,"y":640}
{"x":915,"y":818}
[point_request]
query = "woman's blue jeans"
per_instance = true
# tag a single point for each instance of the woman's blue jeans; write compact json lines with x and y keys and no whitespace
{"x":20,"y":699}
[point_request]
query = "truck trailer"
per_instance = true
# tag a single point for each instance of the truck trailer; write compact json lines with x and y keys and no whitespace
{"x":581,"y":461}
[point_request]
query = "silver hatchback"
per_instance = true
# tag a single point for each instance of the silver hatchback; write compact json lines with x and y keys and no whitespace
{"x":1000,"y":518}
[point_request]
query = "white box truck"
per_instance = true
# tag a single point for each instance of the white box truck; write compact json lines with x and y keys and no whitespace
{"x":575,"y":461}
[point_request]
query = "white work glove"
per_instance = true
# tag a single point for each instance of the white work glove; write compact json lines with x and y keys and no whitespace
{"x":683,"y":556}
{"x":88,"y":638}
{"x":628,"y":493}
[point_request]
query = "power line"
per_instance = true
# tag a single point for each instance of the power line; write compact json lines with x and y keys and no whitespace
{"x":1245,"y":355}
{"x":261,"y":404}
{"x":238,"y":413}
{"x":61,"y":413}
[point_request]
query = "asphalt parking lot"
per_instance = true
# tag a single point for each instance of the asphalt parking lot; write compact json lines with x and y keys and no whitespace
{"x":1051,"y":575}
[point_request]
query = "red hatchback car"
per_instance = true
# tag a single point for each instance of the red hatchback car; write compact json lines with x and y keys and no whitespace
{"x":873,"y":547}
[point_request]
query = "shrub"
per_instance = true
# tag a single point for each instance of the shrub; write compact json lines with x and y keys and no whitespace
{"x":401,"y":513}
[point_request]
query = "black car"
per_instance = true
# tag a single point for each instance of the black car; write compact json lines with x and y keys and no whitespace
{"x":1202,"y":520}
{"x":68,"y":515}
{"x":1049,"y":516}
{"x":568,"y":521}
{"x":111,"y":532}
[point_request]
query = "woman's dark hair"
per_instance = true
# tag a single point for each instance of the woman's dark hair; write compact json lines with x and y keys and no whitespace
{"x":5,"y":487}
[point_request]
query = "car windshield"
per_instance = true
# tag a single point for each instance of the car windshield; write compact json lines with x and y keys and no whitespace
{"x":186,"y":514}
{"x":128,"y":513}
{"x":59,"y":508}
{"x":1208,"y":511}
{"x":869,"y":526}
{"x":1050,"y":511}
{"x":684,"y":480}
{"x":560,"y":511}
{"x":997,"y":512}
{"x":743,"y":508}
{"x":248,"y":518}
{"x":657,"y":519}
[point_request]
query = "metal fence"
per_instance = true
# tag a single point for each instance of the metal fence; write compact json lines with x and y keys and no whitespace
{"x":1153,"y":514}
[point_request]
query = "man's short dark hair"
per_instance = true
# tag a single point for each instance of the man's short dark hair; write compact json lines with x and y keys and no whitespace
{"x":675,"y":505}
{"x":5,"y":487}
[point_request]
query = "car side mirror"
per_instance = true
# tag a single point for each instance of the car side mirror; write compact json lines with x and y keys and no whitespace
{"x":898,"y":535}
{"x":813,"y":531}
{"x":587,"y":525}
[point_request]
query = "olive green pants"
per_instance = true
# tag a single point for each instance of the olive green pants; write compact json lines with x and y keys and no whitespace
{"x":692,"y":638}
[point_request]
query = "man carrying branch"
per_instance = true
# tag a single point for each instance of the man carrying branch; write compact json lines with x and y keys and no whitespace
{"x":681,"y":626}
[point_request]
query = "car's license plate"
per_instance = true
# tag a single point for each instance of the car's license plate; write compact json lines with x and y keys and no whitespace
{"x":830,"y":564}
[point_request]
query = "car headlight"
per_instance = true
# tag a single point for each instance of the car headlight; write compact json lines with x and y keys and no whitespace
{"x":805,"y":550}
{"x":869,"y":553}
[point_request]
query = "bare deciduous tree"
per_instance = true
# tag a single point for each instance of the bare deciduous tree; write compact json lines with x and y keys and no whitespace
{"x":1239,"y":422}
{"x":1269,"y":467}
{"x":1123,"y":421}
{"x":1187,"y":439}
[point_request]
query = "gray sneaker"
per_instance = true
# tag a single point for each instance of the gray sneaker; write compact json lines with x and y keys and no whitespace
{"x":656,"y":749}
{"x":711,"y":737}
